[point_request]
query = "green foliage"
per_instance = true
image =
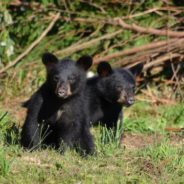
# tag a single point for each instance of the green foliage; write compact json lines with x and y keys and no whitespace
{"x":9,"y":133}
{"x":6,"y":42}
{"x":28,"y":22}
{"x":109,"y":140}
{"x":141,"y":119}
{"x":139,"y":125}
{"x":165,"y":158}
{"x":4,"y":164}
{"x":80,"y":22}
{"x":109,"y":136}
{"x":173,"y":114}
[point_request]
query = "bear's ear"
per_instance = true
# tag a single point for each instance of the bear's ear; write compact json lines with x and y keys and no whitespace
{"x":137,"y":69}
{"x":104,"y":69}
{"x":85,"y":62}
{"x":49,"y":60}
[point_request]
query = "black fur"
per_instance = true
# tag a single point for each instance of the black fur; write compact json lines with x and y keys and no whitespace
{"x":58,"y":109}
{"x":110,"y":91}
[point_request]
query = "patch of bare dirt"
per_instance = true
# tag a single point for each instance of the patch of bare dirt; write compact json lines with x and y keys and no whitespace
{"x":13,"y":107}
{"x":136,"y":141}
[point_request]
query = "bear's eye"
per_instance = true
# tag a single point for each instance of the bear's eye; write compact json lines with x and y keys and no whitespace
{"x":56,"y":78}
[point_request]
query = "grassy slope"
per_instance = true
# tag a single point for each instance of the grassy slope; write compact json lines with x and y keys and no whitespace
{"x":148,"y":153}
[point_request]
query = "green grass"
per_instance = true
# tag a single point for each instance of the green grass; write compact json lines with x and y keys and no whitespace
{"x":4,"y":164}
{"x":161,"y":161}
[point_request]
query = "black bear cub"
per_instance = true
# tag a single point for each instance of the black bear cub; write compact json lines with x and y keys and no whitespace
{"x":57,"y":112}
{"x":110,"y":91}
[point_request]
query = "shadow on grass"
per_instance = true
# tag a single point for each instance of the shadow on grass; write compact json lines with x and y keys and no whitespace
{"x":10,"y":133}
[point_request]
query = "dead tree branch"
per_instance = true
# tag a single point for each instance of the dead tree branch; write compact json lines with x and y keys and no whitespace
{"x":153,"y":31}
{"x":166,"y":57}
{"x":163,"y":44}
{"x":85,"y":45}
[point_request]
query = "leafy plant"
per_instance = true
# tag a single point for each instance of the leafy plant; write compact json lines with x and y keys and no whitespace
{"x":111,"y":136}
{"x":9,"y":133}
{"x":4,"y":164}
{"x":6,"y":42}
{"x":109,"y":140}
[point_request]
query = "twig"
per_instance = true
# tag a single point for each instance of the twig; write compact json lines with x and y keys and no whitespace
{"x":140,"y":29}
{"x":94,"y":5}
{"x":155,"y":56}
{"x":175,"y":76}
{"x":135,"y":50}
{"x":85,"y":45}
{"x":77,"y":46}
{"x":119,"y":44}
{"x":161,"y":59}
{"x":156,"y":99}
{"x":174,"y":129}
{"x":141,"y":13}
{"x":22,"y":55}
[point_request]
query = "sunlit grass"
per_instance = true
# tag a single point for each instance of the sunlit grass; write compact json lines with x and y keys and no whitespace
{"x":160,"y":161}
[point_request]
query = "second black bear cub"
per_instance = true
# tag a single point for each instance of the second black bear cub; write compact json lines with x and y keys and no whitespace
{"x":60,"y":107}
{"x":110,"y":91}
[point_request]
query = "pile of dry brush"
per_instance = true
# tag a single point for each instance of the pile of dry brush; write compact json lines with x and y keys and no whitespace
{"x":163,"y":55}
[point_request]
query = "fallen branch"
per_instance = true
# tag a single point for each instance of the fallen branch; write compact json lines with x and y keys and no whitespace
{"x":166,"y":57}
{"x":174,"y":9}
{"x":134,"y":27}
{"x":135,"y":50}
{"x":155,"y":56}
{"x":85,"y":45}
{"x":155,"y":99}
{"x":22,"y":55}
{"x":174,"y":129}
{"x":153,"y":31}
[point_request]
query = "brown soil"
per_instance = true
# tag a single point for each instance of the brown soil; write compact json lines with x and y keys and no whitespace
{"x":14,"y":109}
{"x":136,"y":141}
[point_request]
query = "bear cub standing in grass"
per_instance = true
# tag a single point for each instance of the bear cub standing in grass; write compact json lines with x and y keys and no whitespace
{"x":57,"y":113}
{"x":110,"y":91}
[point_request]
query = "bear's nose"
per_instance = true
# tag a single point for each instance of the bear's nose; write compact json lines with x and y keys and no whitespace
{"x":61,"y":91}
{"x":131,"y":100}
